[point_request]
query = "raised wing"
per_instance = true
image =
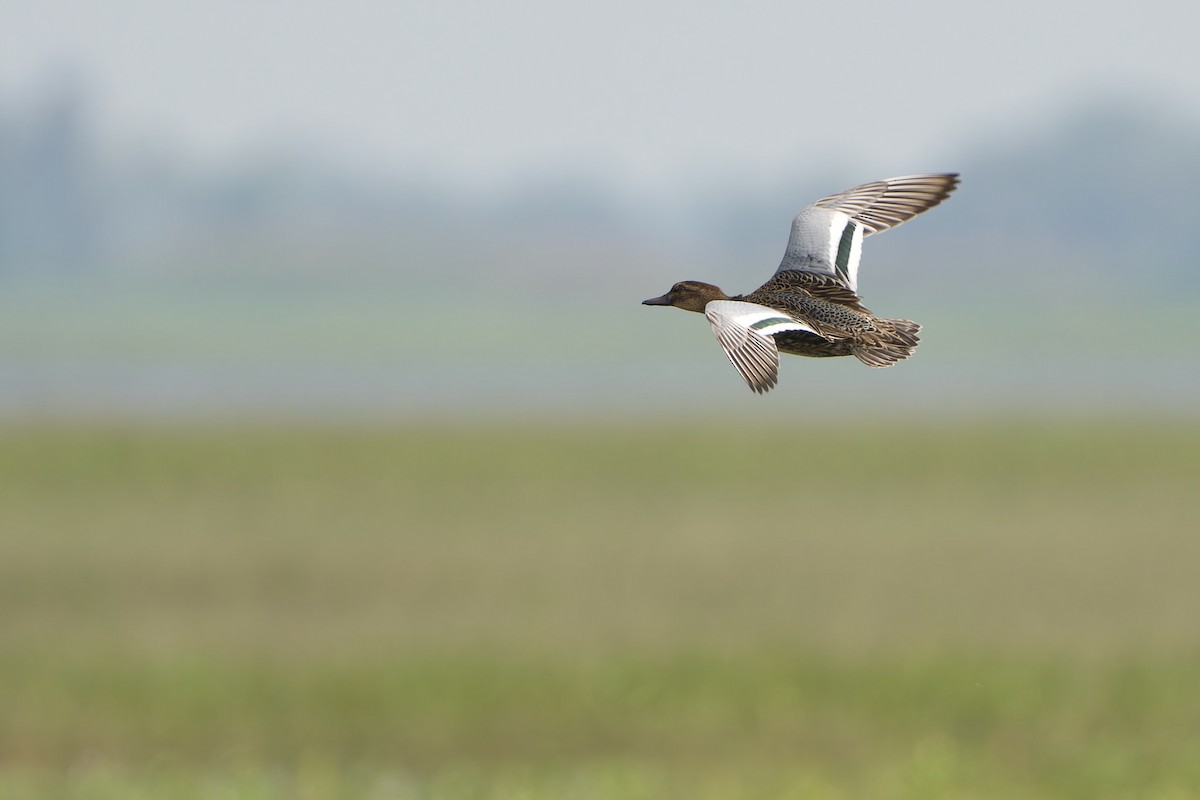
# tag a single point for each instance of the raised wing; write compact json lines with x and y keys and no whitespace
{"x":744,"y":331}
{"x":827,"y":236}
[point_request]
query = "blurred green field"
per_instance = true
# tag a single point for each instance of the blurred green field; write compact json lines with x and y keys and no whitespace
{"x":691,"y":610}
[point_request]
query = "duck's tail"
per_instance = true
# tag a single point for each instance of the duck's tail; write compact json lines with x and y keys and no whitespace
{"x":893,"y":340}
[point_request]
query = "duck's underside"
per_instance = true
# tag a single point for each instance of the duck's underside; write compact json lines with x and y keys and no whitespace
{"x":802,"y":343}
{"x":891,"y":340}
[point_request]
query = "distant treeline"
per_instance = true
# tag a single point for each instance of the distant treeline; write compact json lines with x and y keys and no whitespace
{"x":1105,"y":191}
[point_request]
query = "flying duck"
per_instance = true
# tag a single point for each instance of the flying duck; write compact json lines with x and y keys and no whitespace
{"x":810,"y":306}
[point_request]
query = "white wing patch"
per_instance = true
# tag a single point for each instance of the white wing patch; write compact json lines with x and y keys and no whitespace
{"x":844,"y":248}
{"x":744,"y":331}
{"x":837,"y":224}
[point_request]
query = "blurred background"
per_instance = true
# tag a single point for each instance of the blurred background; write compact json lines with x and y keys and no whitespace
{"x":340,"y":458}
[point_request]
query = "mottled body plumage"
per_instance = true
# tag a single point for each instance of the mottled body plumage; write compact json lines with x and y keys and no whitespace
{"x":843,"y":326}
{"x":810,"y":306}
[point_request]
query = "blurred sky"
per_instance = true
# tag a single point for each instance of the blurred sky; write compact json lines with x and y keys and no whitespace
{"x":155,"y":259}
{"x":644,"y":93}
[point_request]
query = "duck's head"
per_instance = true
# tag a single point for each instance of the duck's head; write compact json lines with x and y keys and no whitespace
{"x":688,"y":295}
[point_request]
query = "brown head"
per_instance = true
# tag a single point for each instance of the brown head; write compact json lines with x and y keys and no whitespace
{"x":688,"y":295}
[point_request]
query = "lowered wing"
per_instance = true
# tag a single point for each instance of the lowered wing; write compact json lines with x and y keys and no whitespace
{"x":745,"y":332}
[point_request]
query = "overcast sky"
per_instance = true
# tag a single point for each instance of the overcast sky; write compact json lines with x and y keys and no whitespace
{"x":645,"y":92}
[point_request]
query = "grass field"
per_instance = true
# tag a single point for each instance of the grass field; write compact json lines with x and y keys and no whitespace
{"x":690,"y":610}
